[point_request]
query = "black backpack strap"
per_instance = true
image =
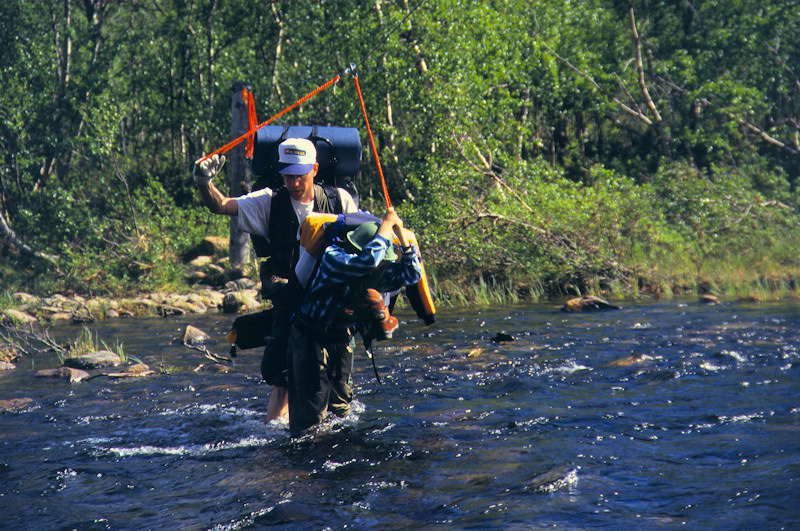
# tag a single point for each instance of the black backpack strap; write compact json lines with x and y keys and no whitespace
{"x":283,"y":227}
{"x":327,"y":199}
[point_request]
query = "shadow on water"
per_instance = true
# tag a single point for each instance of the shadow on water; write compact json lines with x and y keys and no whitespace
{"x":659,"y":415}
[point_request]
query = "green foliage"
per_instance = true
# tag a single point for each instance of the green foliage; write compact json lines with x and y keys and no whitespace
{"x":519,"y":139}
{"x":730,"y":214}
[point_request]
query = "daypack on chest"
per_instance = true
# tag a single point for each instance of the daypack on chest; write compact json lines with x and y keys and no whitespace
{"x":320,"y":230}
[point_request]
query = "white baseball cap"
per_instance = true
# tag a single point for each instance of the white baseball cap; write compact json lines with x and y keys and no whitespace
{"x":296,"y":156}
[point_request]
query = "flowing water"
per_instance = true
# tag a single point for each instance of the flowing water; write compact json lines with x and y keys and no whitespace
{"x":661,"y":415}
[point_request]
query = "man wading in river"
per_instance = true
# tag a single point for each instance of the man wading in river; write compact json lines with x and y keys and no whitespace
{"x":277,"y":216}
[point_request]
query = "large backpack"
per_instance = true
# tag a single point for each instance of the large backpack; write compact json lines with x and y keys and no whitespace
{"x":338,"y":154}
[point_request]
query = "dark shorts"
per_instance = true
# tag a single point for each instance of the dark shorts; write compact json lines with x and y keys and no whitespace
{"x":319,"y":376}
{"x":274,"y":362}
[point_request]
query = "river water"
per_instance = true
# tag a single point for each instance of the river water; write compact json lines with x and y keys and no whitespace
{"x":660,"y":415}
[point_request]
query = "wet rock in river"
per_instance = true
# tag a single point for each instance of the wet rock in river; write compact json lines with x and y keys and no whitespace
{"x":708,"y":298}
{"x":214,"y":367}
{"x":587,"y":304}
{"x":134,"y":371}
{"x":7,"y":366}
{"x":94,"y":360}
{"x":69,"y":374}
{"x":193,"y":336}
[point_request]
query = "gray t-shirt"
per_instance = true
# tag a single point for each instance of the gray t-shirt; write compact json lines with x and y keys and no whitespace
{"x":254,"y":208}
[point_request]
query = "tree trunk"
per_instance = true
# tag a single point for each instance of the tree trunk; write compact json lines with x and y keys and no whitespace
{"x":240,"y":172}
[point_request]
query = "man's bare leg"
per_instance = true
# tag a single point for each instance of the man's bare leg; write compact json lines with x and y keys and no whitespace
{"x":278,"y":406}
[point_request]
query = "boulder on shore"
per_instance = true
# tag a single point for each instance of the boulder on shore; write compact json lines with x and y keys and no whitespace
{"x":209,"y":246}
{"x":17,"y":317}
{"x":240,"y":301}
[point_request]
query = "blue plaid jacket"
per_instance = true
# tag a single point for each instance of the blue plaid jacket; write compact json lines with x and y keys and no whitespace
{"x":338,"y":268}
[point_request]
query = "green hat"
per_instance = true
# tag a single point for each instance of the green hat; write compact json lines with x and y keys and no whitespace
{"x":365,"y":233}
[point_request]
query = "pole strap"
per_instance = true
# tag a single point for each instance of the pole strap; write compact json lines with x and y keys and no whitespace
{"x":252,"y":121}
{"x":372,"y":144}
{"x":251,"y":133}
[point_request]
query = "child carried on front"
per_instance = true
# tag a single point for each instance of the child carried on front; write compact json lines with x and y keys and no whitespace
{"x":320,"y":352}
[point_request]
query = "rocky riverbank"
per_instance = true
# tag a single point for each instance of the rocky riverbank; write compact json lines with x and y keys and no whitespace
{"x":216,"y":288}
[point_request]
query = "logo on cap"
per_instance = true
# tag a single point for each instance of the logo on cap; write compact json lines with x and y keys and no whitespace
{"x":296,"y":156}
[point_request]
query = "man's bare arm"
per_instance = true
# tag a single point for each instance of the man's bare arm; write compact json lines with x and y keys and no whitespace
{"x":216,"y":201}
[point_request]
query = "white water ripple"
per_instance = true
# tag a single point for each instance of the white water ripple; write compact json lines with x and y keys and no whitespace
{"x":188,"y":450}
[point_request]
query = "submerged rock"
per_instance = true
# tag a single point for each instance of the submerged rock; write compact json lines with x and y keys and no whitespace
{"x":587,"y":304}
{"x":63,"y":373}
{"x":627,"y":361}
{"x":502,"y":337}
{"x":552,"y":480}
{"x":474,"y":353}
{"x":15,"y":405}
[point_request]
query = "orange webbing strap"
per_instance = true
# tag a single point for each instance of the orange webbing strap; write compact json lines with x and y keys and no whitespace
{"x":227,"y":147}
{"x":252,"y":121}
{"x":372,"y":143}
